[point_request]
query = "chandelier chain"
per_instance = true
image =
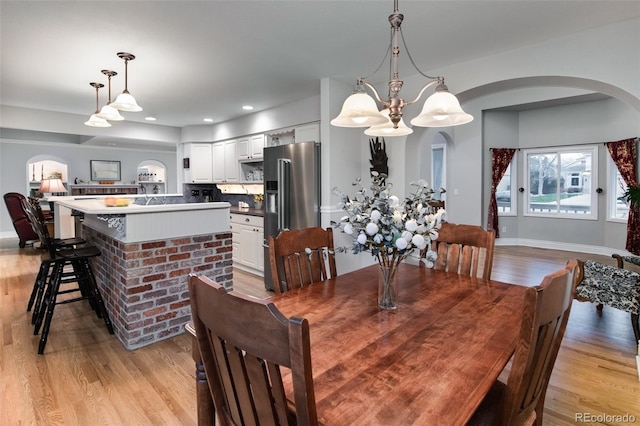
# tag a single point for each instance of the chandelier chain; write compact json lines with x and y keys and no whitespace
{"x":404,"y":43}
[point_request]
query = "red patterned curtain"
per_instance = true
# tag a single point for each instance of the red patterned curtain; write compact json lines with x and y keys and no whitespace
{"x":625,"y":155}
{"x":500,"y":159}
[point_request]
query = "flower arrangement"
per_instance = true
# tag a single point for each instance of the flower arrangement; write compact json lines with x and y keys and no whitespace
{"x":391,"y":230}
{"x":258,"y":198}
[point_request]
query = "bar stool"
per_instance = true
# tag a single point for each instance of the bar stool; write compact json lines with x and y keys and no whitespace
{"x":55,"y":260}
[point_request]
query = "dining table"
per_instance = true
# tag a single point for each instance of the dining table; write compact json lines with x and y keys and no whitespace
{"x":430,"y":361}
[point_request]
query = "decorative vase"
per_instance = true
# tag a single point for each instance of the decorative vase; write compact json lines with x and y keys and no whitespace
{"x":387,"y":288}
{"x":258,"y":205}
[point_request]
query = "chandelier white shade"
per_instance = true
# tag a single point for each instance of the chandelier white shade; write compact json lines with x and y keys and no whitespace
{"x":125,"y":101}
{"x":108,"y":112}
{"x":387,"y":129}
{"x":359,"y":110}
{"x":94,"y":120}
{"x":440,"y":110}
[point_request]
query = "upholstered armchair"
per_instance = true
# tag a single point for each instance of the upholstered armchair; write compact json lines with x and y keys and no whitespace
{"x":612,"y":286}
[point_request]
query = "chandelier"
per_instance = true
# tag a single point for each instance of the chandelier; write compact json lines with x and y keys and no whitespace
{"x":441,"y":109}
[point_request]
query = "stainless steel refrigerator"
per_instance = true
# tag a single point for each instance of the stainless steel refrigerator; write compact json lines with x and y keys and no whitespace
{"x":291,"y":191}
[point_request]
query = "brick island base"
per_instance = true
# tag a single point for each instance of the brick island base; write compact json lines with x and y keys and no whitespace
{"x":145,"y":284}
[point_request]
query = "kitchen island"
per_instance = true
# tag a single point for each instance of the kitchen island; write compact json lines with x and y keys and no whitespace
{"x":148,"y":252}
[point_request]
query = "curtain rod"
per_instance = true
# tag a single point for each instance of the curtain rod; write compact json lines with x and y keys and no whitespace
{"x":559,"y":146}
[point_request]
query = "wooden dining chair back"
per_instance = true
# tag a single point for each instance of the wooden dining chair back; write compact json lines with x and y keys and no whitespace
{"x":465,"y":250}
{"x":300,"y":257}
{"x":544,"y":320}
{"x":244,"y":342}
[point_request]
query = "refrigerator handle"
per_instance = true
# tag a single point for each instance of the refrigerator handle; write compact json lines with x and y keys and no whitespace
{"x":284,"y":205}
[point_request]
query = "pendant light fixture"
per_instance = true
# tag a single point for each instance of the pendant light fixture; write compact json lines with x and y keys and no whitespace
{"x":108,"y":112}
{"x":387,"y":129}
{"x":441,"y":109}
{"x":124,"y":101}
{"x":94,"y":120}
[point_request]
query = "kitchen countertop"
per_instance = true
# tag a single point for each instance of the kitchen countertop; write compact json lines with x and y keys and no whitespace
{"x":247,"y":211}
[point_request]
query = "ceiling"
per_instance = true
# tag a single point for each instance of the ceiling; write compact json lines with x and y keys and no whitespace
{"x":197,"y":59}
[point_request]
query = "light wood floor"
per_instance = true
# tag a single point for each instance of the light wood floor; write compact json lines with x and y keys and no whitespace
{"x":86,"y":377}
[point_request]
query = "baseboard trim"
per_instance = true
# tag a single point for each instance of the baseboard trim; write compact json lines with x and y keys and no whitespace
{"x":555,"y":245}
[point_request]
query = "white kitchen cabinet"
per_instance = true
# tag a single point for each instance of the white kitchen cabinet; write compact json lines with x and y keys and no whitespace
{"x":307,"y":132}
{"x":200,"y":162}
{"x":248,"y":238}
{"x":250,"y":147}
{"x":225,"y":161}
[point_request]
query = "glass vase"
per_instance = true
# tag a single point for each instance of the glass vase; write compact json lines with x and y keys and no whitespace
{"x":387,"y":288}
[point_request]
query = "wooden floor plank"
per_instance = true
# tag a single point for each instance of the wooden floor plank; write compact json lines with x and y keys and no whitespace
{"x":86,"y":376}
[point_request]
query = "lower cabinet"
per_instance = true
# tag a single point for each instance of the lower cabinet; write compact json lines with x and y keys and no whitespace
{"x":248,"y":238}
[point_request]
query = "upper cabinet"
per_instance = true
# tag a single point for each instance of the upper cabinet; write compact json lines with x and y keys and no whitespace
{"x":307,"y":133}
{"x":201,"y":158}
{"x":250,"y":148}
{"x":225,"y":161}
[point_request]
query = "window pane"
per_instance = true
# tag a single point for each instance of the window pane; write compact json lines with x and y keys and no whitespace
{"x":621,"y":207}
{"x":437,"y":170}
{"x":503,"y":192}
{"x":561,"y":183}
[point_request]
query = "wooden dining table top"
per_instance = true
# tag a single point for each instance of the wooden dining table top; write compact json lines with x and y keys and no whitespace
{"x":429,"y":362}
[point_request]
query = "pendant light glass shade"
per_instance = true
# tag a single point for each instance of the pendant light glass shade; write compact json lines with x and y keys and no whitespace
{"x":387,"y":129}
{"x":441,"y":109}
{"x":95,"y":121}
{"x":108,"y":112}
{"x":358,"y":110}
{"x":124,"y":101}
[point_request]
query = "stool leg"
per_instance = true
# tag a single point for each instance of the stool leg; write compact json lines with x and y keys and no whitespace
{"x":50,"y":304}
{"x":636,"y":326}
{"x":96,"y":296}
{"x":38,"y":286}
{"x":42,"y":300}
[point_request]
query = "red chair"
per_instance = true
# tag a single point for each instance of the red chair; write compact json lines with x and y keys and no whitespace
{"x":19,"y":217}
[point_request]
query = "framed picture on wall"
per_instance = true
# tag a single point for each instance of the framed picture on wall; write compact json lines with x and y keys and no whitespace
{"x":105,"y":170}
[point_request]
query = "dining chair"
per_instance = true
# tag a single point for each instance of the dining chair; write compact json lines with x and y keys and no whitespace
{"x":465,"y":250}
{"x":300,"y":257}
{"x":544,"y":319}
{"x":19,"y":218}
{"x":436,"y":204}
{"x":244,"y":344}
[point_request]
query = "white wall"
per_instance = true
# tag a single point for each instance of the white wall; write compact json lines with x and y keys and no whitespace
{"x":15,"y":154}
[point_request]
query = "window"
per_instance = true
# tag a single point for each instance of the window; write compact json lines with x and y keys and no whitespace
{"x":507,"y":191}
{"x":561,"y":182}
{"x":438,"y":169}
{"x":617,"y":207}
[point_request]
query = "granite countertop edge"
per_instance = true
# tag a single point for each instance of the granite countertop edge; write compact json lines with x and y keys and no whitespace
{"x":247,"y":211}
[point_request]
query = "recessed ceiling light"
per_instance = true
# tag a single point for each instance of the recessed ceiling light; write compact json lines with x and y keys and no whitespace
{"x":247,"y":107}
{"x":208,"y":120}
{"x":150,"y":118}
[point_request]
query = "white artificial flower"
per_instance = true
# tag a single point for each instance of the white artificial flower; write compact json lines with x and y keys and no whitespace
{"x":401,"y":243}
{"x":418,"y":241}
{"x":407,"y":235}
{"x":372,"y":228}
{"x":362,"y":239}
{"x":378,"y":238}
{"x":348,"y":229}
{"x":411,"y":225}
{"x":394,"y":201}
{"x":375,"y":215}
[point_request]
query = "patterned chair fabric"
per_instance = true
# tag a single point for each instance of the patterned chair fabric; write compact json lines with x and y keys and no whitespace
{"x":611,"y":286}
{"x":632,"y":259}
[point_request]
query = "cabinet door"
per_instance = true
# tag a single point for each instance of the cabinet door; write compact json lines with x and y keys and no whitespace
{"x":218,"y":162}
{"x":260,"y":232}
{"x":257,"y":145}
{"x":248,"y":246}
{"x":244,"y":149}
{"x":201,"y":167}
{"x":230,"y":161}
{"x":308,"y":132}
